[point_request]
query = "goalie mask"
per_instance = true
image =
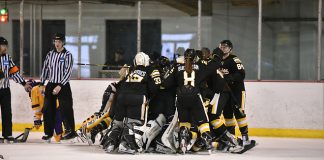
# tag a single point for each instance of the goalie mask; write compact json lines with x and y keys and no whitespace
{"x":141,"y":59}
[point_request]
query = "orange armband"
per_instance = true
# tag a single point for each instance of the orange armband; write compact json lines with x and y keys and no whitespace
{"x":13,"y":70}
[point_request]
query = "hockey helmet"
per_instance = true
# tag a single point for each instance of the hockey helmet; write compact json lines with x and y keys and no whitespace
{"x":190,"y":54}
{"x":163,"y":61}
{"x":32,"y":82}
{"x":3,"y":41}
{"x":141,"y":59}
{"x":218,"y":53}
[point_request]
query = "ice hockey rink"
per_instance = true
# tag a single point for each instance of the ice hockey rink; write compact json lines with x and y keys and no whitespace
{"x":267,"y":149}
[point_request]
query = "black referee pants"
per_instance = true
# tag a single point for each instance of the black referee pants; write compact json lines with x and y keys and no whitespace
{"x":65,"y":108}
{"x":6,"y":116}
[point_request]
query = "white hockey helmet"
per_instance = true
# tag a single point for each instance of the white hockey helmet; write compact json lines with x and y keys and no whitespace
{"x":141,"y":59}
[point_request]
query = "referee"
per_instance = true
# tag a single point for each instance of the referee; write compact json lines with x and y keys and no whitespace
{"x":8,"y":70}
{"x":57,"y":70}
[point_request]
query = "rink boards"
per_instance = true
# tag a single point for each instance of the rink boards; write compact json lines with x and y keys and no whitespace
{"x":279,"y":109}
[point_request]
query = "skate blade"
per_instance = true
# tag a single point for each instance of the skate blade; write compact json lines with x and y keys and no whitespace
{"x":110,"y":149}
{"x":245,"y":148}
{"x":70,"y":141}
{"x":124,"y":150}
{"x":47,"y":141}
{"x":9,"y":142}
{"x":183,"y":146}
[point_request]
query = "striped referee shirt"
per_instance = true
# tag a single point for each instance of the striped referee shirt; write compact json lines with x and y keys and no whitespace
{"x":7,"y":66}
{"x":57,"y":67}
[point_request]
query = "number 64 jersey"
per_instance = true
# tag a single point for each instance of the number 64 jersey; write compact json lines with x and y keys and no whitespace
{"x":234,"y":72}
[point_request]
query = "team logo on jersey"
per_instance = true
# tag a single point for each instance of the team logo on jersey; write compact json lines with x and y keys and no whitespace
{"x":236,"y":60}
{"x":224,"y":71}
{"x":6,"y":63}
{"x":62,"y":59}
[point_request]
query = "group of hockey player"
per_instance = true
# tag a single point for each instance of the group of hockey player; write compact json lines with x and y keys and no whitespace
{"x":164,"y":107}
{"x":190,"y":105}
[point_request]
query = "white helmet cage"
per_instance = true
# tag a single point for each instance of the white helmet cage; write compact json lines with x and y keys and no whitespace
{"x":141,"y":59}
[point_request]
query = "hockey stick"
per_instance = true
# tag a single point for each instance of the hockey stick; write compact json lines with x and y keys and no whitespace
{"x":100,"y":65}
{"x":236,"y":105}
{"x":24,"y":135}
{"x":140,"y":129}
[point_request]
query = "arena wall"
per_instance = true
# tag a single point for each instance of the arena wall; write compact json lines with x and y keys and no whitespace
{"x":290,"y":109}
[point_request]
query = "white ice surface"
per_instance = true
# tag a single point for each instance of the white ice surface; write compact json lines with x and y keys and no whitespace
{"x":267,"y":149}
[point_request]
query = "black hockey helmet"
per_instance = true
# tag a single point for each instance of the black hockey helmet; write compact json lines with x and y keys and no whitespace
{"x":205,"y":53}
{"x":163,"y":61}
{"x":218,"y":52}
{"x":3,"y":41}
{"x":227,"y":42}
{"x":199,"y":54}
{"x":59,"y":36}
{"x":32,"y":82}
{"x":190,"y":54}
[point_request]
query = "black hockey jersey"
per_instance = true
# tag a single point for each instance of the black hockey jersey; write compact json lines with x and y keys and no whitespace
{"x":193,"y":81}
{"x":141,"y":80}
{"x":234,"y":72}
{"x":215,"y":82}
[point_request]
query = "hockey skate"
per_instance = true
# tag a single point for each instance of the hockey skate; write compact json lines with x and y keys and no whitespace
{"x":184,"y":138}
{"x":193,"y":139}
{"x":124,"y":147}
{"x":207,"y":139}
{"x":47,"y":138}
{"x":81,"y":137}
{"x":91,"y":136}
{"x":243,"y":149}
{"x":68,"y":135}
{"x":110,"y":147}
{"x":245,"y":144}
{"x":111,"y":140}
{"x":128,"y":144}
{"x":245,"y":140}
{"x":227,"y":137}
{"x":57,"y":137}
{"x":9,"y":139}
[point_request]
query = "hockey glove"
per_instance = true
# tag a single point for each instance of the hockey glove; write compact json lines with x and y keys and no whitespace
{"x":37,"y":123}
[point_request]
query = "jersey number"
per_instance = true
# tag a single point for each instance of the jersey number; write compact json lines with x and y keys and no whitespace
{"x":239,"y":66}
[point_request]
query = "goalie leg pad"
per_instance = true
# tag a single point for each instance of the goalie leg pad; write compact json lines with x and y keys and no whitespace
{"x":170,"y":136}
{"x":161,"y":148}
{"x":152,"y":129}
